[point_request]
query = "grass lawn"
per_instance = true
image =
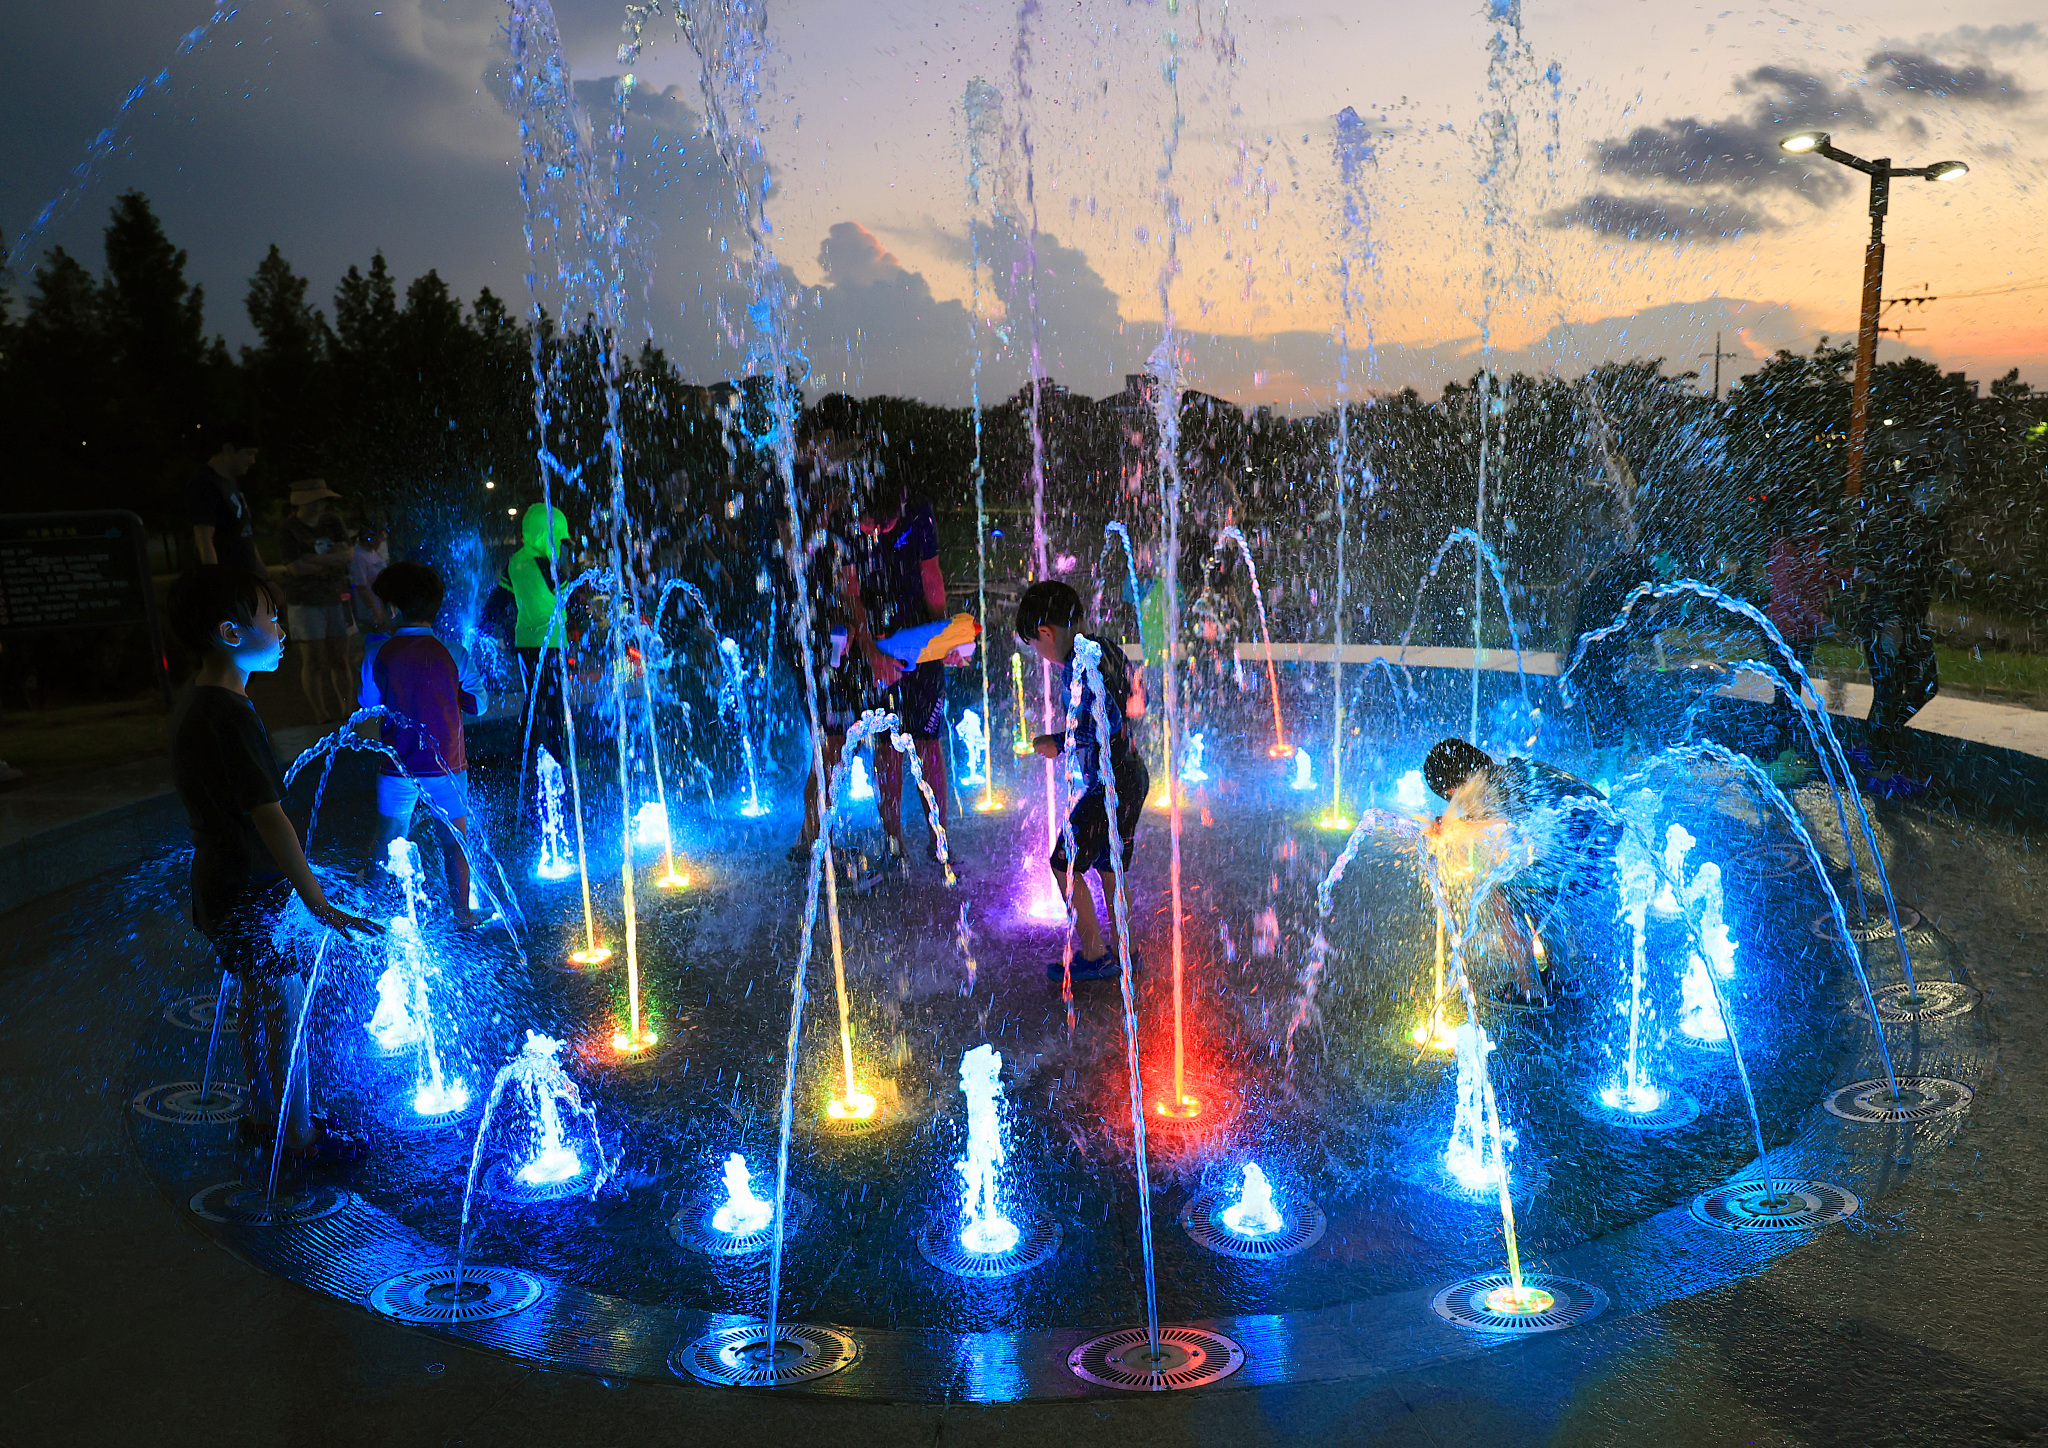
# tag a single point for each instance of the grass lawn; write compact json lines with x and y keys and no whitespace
{"x":1976,"y":670}
{"x":49,"y":743}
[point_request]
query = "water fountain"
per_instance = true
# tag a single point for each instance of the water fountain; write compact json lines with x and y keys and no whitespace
{"x":439,"y":1097}
{"x":735,"y":699}
{"x":1467,"y":1060}
{"x":983,"y":1239}
{"x":1280,"y":748}
{"x":973,"y":739}
{"x":555,"y":861}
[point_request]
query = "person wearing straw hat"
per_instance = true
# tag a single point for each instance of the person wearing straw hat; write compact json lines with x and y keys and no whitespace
{"x":313,"y":543}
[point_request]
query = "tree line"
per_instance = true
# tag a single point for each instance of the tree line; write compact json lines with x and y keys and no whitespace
{"x":407,"y":400}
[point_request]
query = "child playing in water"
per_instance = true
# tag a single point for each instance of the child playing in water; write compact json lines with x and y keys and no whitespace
{"x":246,"y":859}
{"x":1049,"y":619}
{"x":1571,"y":849}
{"x":415,"y":675}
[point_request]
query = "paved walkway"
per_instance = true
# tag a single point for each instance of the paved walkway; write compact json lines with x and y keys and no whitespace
{"x":35,"y":809}
{"x":2008,"y":726}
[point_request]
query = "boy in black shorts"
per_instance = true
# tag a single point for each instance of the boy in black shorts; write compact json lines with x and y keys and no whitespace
{"x":246,"y":859}
{"x":1049,"y":619}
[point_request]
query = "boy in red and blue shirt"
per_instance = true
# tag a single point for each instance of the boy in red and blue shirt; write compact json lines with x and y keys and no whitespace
{"x":428,"y":689}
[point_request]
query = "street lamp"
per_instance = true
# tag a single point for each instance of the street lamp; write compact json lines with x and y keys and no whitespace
{"x":1880,"y":172}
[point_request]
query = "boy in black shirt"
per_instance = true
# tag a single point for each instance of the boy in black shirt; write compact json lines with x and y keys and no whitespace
{"x":1049,"y":619}
{"x":246,"y":858}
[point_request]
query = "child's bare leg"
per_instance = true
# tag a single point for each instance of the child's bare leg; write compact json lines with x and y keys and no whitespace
{"x":833,"y":743}
{"x":267,"y":1024}
{"x":455,"y":865}
{"x":389,"y":828}
{"x":889,"y":790}
{"x":931,"y":755}
{"x":1087,"y":929}
{"x":297,"y":1110}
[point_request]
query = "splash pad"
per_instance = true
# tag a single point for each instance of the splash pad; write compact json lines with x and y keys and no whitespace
{"x":1325,"y":1171}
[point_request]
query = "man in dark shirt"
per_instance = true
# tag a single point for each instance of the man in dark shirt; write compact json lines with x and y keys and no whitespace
{"x":222,"y":525}
{"x":1903,"y":552}
{"x":894,"y":583}
{"x":246,"y":858}
{"x":313,"y":545}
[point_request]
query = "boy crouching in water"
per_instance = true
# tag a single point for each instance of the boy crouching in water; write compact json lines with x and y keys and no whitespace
{"x":1049,"y":619}
{"x":246,"y":858}
{"x":1574,"y":833}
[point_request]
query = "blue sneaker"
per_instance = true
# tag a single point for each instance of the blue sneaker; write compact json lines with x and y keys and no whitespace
{"x":1104,"y":969}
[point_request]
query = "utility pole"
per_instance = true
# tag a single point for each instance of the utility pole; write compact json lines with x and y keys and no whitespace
{"x":1881,"y":172}
{"x":1717,"y":354}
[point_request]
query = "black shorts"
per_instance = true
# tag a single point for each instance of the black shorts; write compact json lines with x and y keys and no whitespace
{"x":242,"y":933}
{"x":1089,"y":822}
{"x":918,"y":700}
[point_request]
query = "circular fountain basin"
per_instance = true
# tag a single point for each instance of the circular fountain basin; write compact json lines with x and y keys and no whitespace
{"x":1362,"y":1121}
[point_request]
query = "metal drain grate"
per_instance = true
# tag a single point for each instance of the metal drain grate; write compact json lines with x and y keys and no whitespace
{"x":243,"y":1205}
{"x":195,"y":1013}
{"x":1938,"y":1000}
{"x":739,"y":1357}
{"x":1570,"y":1302}
{"x":1877,"y":927}
{"x":691,"y":1227}
{"x":1301,"y":1227}
{"x":1699,"y":1045}
{"x":180,"y":1103}
{"x":1675,"y":1110}
{"x":1525,"y":1180}
{"x":431,"y":1295}
{"x":1921,"y":1098}
{"x":939,"y":1244}
{"x":1189,"y":1357}
{"x":504,"y":1185}
{"x":1748,"y":1206}
{"x":409,"y":1120}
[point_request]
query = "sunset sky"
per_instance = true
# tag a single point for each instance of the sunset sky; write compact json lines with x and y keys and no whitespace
{"x":1640,"y":204}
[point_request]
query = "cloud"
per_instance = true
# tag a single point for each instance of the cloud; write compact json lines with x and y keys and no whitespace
{"x":1641,"y":218}
{"x":1740,"y":153}
{"x":1979,"y":39}
{"x":851,"y":256}
{"x":1737,"y":156}
{"x":1917,"y":72}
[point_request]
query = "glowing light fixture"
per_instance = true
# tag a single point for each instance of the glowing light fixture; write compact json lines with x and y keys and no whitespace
{"x":1253,"y":1213}
{"x":1801,"y":142}
{"x":1947,"y":171}
{"x":742,"y":1212}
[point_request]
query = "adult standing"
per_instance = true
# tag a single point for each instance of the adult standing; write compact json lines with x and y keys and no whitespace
{"x":895,"y":583}
{"x":1597,"y":679}
{"x":1902,"y":555}
{"x":313,"y":545}
{"x":223,"y":528}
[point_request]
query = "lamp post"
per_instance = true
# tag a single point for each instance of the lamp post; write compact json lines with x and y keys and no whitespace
{"x":1880,"y":172}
